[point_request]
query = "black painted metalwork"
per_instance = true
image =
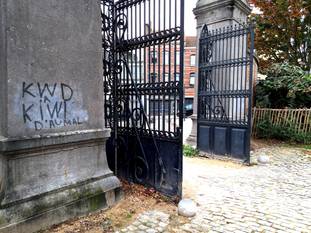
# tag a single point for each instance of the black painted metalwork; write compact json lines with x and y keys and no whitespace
{"x":143,"y":85}
{"x":225,"y":90}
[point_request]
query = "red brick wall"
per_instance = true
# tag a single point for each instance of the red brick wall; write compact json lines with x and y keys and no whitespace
{"x":189,"y":90}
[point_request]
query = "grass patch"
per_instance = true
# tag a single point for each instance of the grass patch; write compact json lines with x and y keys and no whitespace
{"x":189,"y":151}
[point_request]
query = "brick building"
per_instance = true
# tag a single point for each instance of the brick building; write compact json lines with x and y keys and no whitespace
{"x":190,"y":69}
{"x":163,"y":66}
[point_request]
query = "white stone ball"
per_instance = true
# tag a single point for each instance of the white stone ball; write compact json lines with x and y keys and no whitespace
{"x":264,"y":159}
{"x":187,"y":208}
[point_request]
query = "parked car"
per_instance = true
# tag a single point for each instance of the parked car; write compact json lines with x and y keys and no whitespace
{"x":188,"y":110}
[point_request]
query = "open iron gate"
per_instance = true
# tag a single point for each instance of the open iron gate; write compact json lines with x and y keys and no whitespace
{"x":225,"y":91}
{"x":143,"y":84}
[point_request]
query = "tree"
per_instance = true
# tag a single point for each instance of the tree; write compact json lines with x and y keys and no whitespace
{"x":283,"y":32}
{"x":286,"y":86}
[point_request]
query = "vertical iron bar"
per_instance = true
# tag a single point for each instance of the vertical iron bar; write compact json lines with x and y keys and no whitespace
{"x":136,"y":65}
{"x":170,"y":67}
{"x":127,"y":81}
{"x":219,"y":87}
{"x":231,"y":87}
{"x":115,"y":99}
{"x":241,"y":80}
{"x":175,"y":69}
{"x":154,"y":65}
{"x":250,"y":101}
{"x":149,"y":60}
{"x":181,"y":94}
{"x":223,"y":100}
{"x":144,"y":59}
{"x":164,"y":68}
{"x":240,"y":76}
{"x":159,"y":65}
{"x":228,"y":74}
{"x":245,"y":35}
{"x":242,"y":69}
{"x":236,"y":67}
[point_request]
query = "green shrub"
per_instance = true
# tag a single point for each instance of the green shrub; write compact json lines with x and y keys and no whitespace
{"x":189,"y":151}
{"x":266,"y":130}
{"x":285,"y":86}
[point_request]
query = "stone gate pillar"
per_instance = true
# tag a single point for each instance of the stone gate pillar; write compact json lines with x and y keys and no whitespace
{"x":53,"y":163}
{"x":215,"y":14}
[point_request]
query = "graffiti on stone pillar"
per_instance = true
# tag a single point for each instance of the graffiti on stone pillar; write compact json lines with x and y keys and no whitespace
{"x":49,"y":106}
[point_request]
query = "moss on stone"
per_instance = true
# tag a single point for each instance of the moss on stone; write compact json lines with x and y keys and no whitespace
{"x":97,"y":202}
{"x":3,"y":220}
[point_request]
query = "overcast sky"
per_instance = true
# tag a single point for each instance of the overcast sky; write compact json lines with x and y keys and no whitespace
{"x":190,"y":23}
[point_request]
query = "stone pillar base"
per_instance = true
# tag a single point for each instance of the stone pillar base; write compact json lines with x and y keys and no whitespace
{"x":192,"y":139}
{"x":50,"y":179}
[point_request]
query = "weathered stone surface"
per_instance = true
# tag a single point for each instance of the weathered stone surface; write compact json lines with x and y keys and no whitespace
{"x":53,"y":163}
{"x":46,"y":185}
{"x":52,"y":68}
{"x":219,"y":13}
{"x":36,"y":174}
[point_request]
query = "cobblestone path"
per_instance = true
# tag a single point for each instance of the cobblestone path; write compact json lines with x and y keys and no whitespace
{"x":149,"y":222}
{"x":232,"y":198}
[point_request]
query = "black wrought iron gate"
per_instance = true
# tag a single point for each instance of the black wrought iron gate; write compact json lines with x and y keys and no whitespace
{"x":143,"y":82}
{"x":225,"y":91}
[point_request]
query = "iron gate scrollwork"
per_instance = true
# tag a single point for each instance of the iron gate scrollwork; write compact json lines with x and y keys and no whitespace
{"x":143,"y":85}
{"x":225,"y":90}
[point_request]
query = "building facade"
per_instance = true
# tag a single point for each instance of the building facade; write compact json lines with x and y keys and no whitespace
{"x":190,"y":70}
{"x":163,"y":67}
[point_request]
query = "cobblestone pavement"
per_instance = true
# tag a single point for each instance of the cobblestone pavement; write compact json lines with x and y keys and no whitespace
{"x":149,"y":222}
{"x":232,"y":198}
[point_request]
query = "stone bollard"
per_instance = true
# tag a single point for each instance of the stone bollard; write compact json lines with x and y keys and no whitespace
{"x":187,"y":208}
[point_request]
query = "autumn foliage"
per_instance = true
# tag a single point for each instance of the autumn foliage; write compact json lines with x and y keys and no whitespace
{"x":283,"y":32}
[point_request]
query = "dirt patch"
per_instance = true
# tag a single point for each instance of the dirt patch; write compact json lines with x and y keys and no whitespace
{"x":307,"y":153}
{"x":137,"y":199}
{"x":206,"y":162}
{"x":257,"y":144}
{"x":196,"y":167}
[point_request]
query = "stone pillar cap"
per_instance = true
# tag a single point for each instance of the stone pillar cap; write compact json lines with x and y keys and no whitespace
{"x":207,"y":5}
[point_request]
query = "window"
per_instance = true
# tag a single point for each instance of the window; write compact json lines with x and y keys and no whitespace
{"x":153,"y":77}
{"x":188,"y":101}
{"x":154,"y":57}
{"x":177,"y":76}
{"x":192,"y":79}
{"x":192,"y":60}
